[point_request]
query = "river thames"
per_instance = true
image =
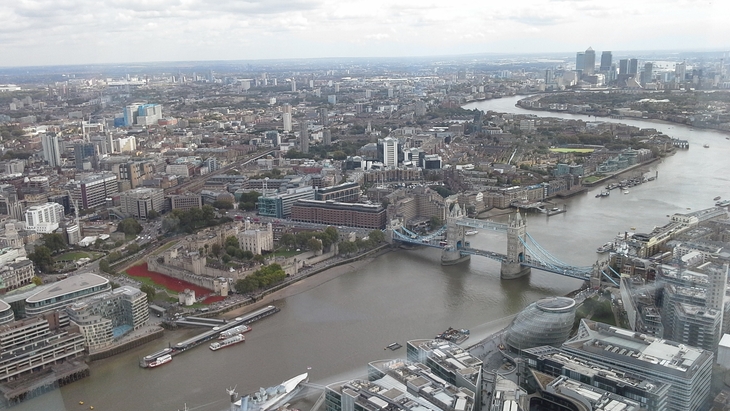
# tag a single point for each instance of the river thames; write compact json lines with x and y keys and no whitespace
{"x":338,"y":327}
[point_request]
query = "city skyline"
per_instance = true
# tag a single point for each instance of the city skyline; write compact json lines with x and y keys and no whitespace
{"x":41,"y":32}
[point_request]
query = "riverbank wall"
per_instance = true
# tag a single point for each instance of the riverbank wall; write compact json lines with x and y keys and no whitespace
{"x":127,"y":345}
{"x":620,"y":172}
{"x":599,"y":116}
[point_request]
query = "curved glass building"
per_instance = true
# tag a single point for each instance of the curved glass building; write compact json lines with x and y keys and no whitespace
{"x":544,"y":322}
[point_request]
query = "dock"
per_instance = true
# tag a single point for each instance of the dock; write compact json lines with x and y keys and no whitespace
{"x":185,"y":345}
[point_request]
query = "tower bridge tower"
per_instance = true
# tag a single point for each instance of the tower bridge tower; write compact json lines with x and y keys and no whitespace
{"x":516,"y":232}
{"x":455,"y":238}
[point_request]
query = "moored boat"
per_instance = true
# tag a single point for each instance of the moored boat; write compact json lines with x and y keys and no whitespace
{"x":233,"y":331}
{"x":716,"y":198}
{"x":164,"y":359}
{"x":472,"y":232}
{"x":723,"y":203}
{"x":238,"y":338}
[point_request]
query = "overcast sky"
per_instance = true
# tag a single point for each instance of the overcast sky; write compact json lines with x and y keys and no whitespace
{"x":49,"y":32}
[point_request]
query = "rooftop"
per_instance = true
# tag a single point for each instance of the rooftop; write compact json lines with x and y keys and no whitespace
{"x":72,"y":284}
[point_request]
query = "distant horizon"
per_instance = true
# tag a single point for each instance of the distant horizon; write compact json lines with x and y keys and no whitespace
{"x":564,"y":54}
{"x":40,"y":33}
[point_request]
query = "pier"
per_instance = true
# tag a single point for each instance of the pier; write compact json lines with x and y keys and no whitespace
{"x":217,"y":325}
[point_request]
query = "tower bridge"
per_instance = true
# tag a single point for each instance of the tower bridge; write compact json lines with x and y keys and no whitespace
{"x":523,"y":252}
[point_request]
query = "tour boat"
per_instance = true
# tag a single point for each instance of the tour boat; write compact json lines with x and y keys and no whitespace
{"x":160,"y":360}
{"x":238,"y":338}
{"x":472,"y":232}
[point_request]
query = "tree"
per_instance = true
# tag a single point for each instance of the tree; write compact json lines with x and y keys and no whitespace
{"x":314,"y":244}
{"x":149,"y":290}
{"x":436,"y":222}
{"x":332,"y":234}
{"x":246,"y":285}
{"x":223,"y":204}
{"x":36,"y":280}
{"x":55,"y":242}
{"x":250,"y":197}
{"x":152,"y":214}
{"x":347,"y":247}
{"x":170,"y":223}
{"x":104,"y":266}
{"x":42,"y":259}
{"x":132,"y":248}
{"x":376,"y":236}
{"x":215,"y":249}
{"x":232,"y":241}
{"x":129,"y":226}
{"x":288,"y":240}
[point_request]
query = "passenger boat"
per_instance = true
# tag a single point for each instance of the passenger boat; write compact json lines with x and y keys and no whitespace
{"x":723,"y":203}
{"x":233,"y":331}
{"x":716,"y":198}
{"x":706,"y":146}
{"x":626,"y":191}
{"x":238,"y":338}
{"x":164,"y":359}
{"x":472,"y":232}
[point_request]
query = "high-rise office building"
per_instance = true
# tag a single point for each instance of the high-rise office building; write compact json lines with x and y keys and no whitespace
{"x":580,"y":60}
{"x":327,"y":137}
{"x":293,"y":85}
{"x":680,"y":71}
{"x":139,"y":202}
{"x":692,"y":304}
{"x":93,"y":191}
{"x":633,"y":66}
{"x":323,"y":117}
{"x":286,"y":118}
{"x":390,"y":152}
{"x":549,"y":76}
{"x":304,"y":136}
{"x":84,"y":155}
{"x":687,"y":369}
{"x":101,"y":316}
{"x":43,"y":218}
{"x":606,"y":61}
{"x":50,"y":150}
{"x":148,"y":114}
{"x":648,"y":73}
{"x":589,"y":63}
{"x":623,"y":67}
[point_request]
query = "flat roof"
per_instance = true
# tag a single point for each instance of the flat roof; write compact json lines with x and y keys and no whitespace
{"x":725,"y":341}
{"x":72,"y":284}
{"x":5,"y":306}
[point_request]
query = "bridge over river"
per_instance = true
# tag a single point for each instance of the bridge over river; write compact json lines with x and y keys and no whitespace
{"x":523,"y":252}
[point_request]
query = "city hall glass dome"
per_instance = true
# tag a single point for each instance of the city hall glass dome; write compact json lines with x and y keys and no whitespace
{"x":544,"y":322}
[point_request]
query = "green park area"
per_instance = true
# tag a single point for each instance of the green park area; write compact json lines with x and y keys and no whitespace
{"x":593,"y":178}
{"x":77,"y":255}
{"x":572,"y":150}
